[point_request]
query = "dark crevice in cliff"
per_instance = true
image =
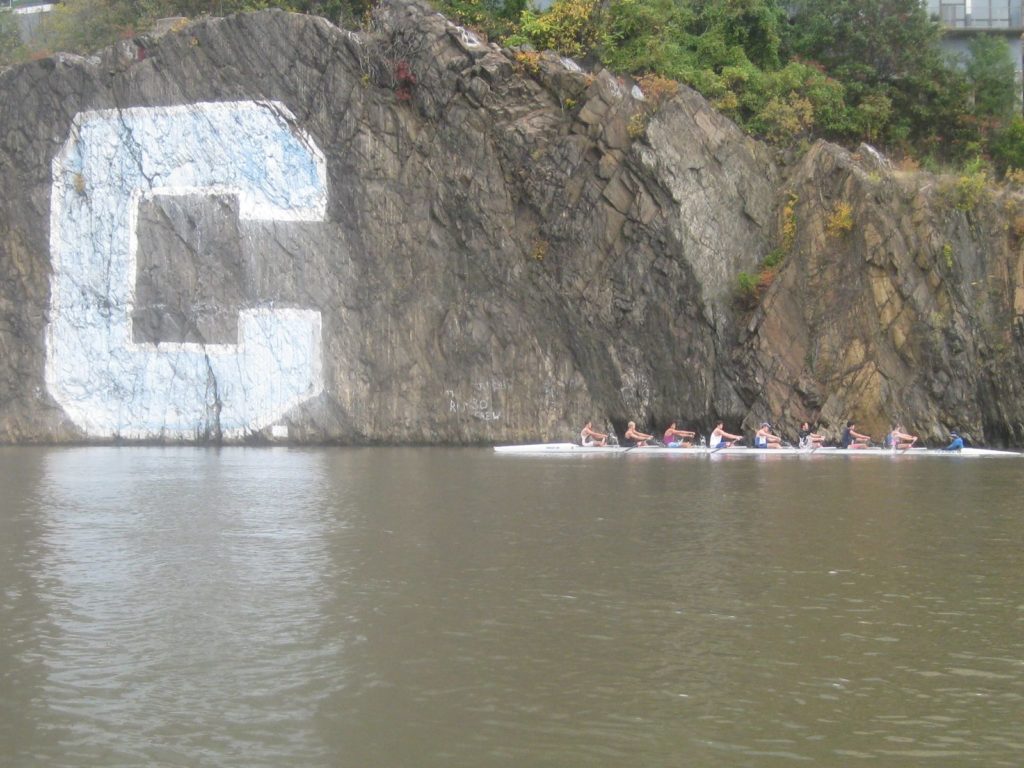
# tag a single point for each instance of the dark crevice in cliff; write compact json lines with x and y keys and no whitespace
{"x":212,"y":426}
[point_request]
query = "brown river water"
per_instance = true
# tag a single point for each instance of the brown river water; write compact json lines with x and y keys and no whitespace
{"x":432,"y":607}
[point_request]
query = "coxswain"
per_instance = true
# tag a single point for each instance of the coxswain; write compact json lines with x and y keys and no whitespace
{"x":956,"y":442}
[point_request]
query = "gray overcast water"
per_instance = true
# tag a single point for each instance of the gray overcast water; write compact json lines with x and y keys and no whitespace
{"x":434,"y":607}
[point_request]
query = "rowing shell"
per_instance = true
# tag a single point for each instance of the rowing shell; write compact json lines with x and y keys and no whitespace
{"x":571,"y":449}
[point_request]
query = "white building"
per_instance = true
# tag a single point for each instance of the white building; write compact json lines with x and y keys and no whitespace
{"x":28,"y":13}
{"x":963,"y":19}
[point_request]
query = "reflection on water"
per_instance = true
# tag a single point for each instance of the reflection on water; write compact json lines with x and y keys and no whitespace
{"x":181,"y":586}
{"x":403,"y":607}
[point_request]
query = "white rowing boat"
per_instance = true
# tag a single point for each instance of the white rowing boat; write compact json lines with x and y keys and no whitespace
{"x":571,"y":449}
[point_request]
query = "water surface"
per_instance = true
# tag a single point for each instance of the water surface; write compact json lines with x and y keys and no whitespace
{"x":432,"y":607}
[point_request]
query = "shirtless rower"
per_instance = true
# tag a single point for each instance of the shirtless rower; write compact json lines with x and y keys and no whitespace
{"x":590,"y":438}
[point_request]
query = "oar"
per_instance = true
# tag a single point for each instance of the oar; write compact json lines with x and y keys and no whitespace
{"x":634,"y":445}
{"x":648,"y":443}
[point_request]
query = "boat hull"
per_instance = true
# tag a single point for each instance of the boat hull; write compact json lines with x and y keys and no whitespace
{"x":571,"y":449}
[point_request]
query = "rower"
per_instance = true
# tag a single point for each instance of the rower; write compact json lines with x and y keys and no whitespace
{"x":677,"y":438}
{"x":635,"y":438}
{"x":809,"y":439}
{"x":722,"y":439}
{"x":590,"y":438}
{"x":765,"y":439}
{"x":901,"y":441}
{"x":852,"y":438}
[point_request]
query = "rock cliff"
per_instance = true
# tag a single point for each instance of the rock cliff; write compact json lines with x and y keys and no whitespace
{"x":265,"y":228}
{"x":900,"y":299}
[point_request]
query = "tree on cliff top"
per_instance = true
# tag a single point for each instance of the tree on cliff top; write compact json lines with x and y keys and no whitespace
{"x":788,"y":70}
{"x":871,"y":41}
{"x":992,"y":77}
{"x":83,"y":26}
{"x":691,"y":38}
{"x":730,"y":51}
{"x":848,"y":70}
{"x":885,"y":49}
{"x":10,"y":39}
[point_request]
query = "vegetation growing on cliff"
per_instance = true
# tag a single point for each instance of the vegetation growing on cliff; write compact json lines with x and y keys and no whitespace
{"x":10,"y":41}
{"x":846,"y":70}
{"x":84,"y":26}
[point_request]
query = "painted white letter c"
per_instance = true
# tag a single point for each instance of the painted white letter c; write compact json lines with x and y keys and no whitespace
{"x":111,"y":386}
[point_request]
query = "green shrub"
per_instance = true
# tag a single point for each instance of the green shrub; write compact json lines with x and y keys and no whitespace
{"x":85,"y":26}
{"x":10,"y":39}
{"x":971,"y":187}
{"x":990,"y":72}
{"x":568,"y":27}
{"x":774,"y":258}
{"x":840,"y":220}
{"x":870,"y":117}
{"x":784,"y":118}
{"x":1007,"y":146}
{"x":789,"y":222}
{"x":746,"y":284}
{"x":637,"y":125}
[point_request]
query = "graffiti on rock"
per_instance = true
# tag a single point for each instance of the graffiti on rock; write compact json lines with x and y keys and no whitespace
{"x":111,"y":386}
